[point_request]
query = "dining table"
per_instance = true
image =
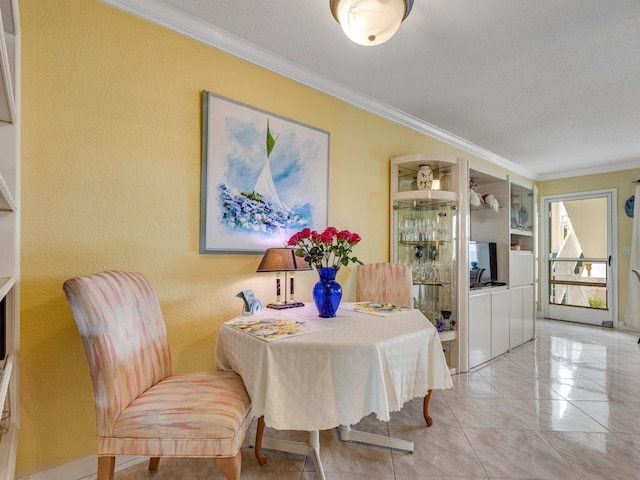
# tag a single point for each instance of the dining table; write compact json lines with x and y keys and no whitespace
{"x":307,"y":373}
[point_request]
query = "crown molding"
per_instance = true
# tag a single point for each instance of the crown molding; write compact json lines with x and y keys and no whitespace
{"x":613,"y":167}
{"x":190,"y":26}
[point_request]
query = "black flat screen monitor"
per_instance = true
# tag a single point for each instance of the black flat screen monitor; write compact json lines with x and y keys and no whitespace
{"x":483,"y":265}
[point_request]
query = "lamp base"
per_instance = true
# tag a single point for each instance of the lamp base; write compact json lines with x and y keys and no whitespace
{"x":282,"y":306}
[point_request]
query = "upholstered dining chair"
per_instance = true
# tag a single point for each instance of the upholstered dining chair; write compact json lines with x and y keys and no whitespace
{"x":142,"y":409}
{"x":388,"y":283}
{"x":385,"y":283}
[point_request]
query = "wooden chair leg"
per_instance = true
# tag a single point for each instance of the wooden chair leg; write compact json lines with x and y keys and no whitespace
{"x":153,"y":463}
{"x":106,"y":467}
{"x":425,"y":409}
{"x":230,"y":466}
{"x":261,"y":457}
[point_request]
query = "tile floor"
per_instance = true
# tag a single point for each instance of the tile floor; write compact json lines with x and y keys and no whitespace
{"x":565,"y":406}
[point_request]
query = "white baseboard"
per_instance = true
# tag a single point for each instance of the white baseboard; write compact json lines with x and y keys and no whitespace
{"x":82,"y":469}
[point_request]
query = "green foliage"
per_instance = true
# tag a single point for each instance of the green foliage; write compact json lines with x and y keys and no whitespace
{"x":597,"y":303}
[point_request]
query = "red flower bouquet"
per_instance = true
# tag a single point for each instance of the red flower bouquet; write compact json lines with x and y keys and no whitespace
{"x":331,"y":248}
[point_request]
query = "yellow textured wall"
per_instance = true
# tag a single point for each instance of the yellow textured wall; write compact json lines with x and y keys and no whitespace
{"x":620,"y":181}
{"x":111,"y":180}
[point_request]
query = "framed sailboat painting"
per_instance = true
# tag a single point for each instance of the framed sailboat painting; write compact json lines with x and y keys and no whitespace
{"x":264,"y":177}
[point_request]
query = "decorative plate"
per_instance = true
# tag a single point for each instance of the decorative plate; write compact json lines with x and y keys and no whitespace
{"x":628,"y":206}
{"x":524,"y":216}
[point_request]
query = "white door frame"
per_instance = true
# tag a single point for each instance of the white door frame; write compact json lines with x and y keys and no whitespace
{"x":612,"y":234}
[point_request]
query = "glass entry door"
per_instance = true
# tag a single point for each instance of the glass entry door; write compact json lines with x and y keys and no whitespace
{"x":579,"y":269}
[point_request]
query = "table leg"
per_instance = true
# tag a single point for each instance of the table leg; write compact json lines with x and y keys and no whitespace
{"x":261,"y":457}
{"x":425,"y":409}
{"x":314,"y":447}
{"x":311,"y":448}
{"x":347,"y":434}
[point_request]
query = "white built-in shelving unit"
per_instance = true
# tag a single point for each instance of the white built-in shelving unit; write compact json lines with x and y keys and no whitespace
{"x":433,"y":227}
{"x":502,"y":317}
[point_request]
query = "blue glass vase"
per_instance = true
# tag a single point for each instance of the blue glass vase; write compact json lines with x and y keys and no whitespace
{"x":327,"y":293}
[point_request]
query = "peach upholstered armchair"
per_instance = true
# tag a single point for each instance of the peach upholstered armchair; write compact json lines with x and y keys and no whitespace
{"x":388,"y":283}
{"x":385,"y":283}
{"x":142,"y":409}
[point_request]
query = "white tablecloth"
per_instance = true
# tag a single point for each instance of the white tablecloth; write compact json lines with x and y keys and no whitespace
{"x":362,"y":364}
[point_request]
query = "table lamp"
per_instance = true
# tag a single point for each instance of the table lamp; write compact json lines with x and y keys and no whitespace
{"x":280,"y":260}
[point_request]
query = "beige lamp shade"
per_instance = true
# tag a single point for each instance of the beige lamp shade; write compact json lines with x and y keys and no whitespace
{"x":282,"y":260}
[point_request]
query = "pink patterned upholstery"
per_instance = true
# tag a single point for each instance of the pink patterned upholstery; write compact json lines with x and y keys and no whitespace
{"x":385,"y":283}
{"x":141,"y":408}
{"x":388,"y":283}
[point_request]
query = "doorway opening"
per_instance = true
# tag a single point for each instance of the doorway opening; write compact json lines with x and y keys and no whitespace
{"x":579,"y":272}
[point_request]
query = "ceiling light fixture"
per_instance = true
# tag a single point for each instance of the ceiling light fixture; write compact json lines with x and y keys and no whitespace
{"x":370,"y":22}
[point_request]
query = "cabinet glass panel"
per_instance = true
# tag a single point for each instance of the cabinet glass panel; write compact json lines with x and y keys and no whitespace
{"x":424,"y":238}
{"x":521,"y":208}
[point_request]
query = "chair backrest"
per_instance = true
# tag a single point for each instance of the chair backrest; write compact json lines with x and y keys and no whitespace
{"x":124,"y":338}
{"x":385,"y":283}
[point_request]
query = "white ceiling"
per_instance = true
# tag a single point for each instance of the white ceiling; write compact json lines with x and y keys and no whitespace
{"x":548,"y":88}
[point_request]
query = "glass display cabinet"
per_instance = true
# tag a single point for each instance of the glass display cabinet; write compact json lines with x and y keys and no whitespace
{"x":522,"y":217}
{"x":424,"y":235}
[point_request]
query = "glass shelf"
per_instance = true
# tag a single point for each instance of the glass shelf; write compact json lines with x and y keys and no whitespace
{"x":423,"y":239}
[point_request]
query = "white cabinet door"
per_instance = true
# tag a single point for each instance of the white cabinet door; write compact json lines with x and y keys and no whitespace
{"x":521,"y":268}
{"x":500,"y":302}
{"x":479,"y":329}
{"x":528,"y":313}
{"x":515,"y":322}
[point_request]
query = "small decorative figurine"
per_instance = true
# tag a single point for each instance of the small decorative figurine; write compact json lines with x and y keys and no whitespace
{"x":445,"y":181}
{"x":251,"y":303}
{"x":425,"y":177}
{"x":491,"y":201}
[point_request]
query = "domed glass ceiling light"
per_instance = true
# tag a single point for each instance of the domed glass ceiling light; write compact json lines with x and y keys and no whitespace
{"x":370,"y":22}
